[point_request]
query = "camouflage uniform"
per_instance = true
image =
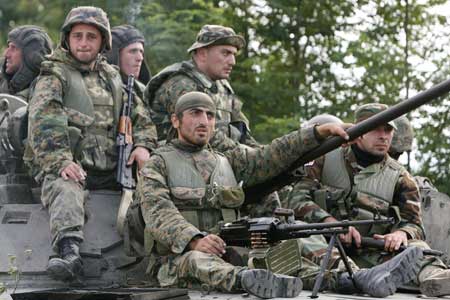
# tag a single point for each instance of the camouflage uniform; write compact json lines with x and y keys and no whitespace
{"x":123,"y":36}
{"x":175,"y":80}
{"x":73,"y":117}
{"x":35,"y":44}
{"x":174,"y":215}
{"x":321,"y":195}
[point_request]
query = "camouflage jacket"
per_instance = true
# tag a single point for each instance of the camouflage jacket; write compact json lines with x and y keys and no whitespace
{"x":406,"y":196}
{"x":175,"y":80}
{"x":166,"y":225}
{"x":5,"y":89}
{"x":50,"y":119}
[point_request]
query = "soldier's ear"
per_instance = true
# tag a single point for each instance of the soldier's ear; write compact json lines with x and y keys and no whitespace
{"x":175,"y":121}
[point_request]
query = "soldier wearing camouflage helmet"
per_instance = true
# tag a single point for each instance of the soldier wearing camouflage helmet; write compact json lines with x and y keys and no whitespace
{"x":186,"y":189}
{"x":26,"y":49}
{"x":128,"y":54}
{"x":363,"y":180}
{"x":213,"y":58}
{"x":73,"y":119}
{"x":403,"y":137}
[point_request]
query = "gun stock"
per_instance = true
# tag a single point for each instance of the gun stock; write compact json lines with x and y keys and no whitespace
{"x":256,"y":192}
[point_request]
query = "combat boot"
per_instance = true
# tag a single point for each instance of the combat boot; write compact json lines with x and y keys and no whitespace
{"x":265,"y":284}
{"x":383,"y":280}
{"x":69,"y":265}
{"x":436,"y":282}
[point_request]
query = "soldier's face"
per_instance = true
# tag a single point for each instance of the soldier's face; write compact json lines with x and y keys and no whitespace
{"x":85,"y":42}
{"x":13,"y":58}
{"x":196,"y":125}
{"x":377,"y":141}
{"x":219,"y":61}
{"x":130,"y":59}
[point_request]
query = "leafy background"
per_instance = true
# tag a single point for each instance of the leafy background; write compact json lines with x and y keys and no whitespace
{"x":302,"y":57}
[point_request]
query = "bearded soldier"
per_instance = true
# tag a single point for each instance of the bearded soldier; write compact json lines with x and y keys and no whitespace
{"x":186,"y":189}
{"x":213,"y":56}
{"x":27,"y":46}
{"x":362,"y":181}
{"x":73,"y":120}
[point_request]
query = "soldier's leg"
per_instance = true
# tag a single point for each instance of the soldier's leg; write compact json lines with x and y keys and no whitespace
{"x":200,"y":267}
{"x":65,"y":202}
{"x":434,"y":276}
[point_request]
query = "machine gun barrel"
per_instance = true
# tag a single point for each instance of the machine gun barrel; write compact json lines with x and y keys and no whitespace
{"x":340,"y":224}
{"x":256,"y":192}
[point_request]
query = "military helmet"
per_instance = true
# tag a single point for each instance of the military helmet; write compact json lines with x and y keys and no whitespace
{"x":35,"y":44}
{"x":403,"y":136}
{"x":217,"y":35}
{"x":323,"y":119}
{"x":87,"y":15}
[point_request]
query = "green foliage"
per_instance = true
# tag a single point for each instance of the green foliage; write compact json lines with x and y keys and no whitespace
{"x":302,"y":57}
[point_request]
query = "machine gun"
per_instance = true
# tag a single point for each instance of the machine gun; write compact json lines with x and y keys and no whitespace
{"x":260,"y":233}
{"x":125,"y":140}
{"x":256,"y":192}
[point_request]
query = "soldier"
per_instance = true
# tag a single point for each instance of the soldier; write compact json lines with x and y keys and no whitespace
{"x":127,"y":53}
{"x":362,"y":181}
{"x":73,"y":118}
{"x":402,"y":139}
{"x":186,"y":189}
{"x":27,"y":46}
{"x":213,"y":57}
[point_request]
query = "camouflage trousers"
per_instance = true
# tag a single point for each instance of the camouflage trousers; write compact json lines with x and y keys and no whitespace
{"x":368,"y":258}
{"x":64,"y":200}
{"x":194,"y":268}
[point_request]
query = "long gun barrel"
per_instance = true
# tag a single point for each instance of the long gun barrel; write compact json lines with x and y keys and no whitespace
{"x":256,"y":192}
{"x":125,"y":140}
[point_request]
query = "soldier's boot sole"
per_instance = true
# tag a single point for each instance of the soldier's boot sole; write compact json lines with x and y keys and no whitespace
{"x":63,"y":270}
{"x":399,"y":270}
{"x":435,"y":287}
{"x":265,"y":284}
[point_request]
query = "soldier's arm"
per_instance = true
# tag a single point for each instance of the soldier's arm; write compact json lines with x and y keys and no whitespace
{"x":301,"y":200}
{"x":237,"y":116}
{"x":162,"y":218}
{"x":144,"y":131}
{"x":48,"y":122}
{"x":163,"y":104}
{"x":407,"y":198}
{"x":256,"y":165}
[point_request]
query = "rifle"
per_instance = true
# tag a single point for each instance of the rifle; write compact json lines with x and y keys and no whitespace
{"x":368,"y":242}
{"x":256,"y":192}
{"x":124,"y":140}
{"x":262,"y":233}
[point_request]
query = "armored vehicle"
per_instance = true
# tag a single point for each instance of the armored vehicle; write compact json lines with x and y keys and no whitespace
{"x":109,"y":273}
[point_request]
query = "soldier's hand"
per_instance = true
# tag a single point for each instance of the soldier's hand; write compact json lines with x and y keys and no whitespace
{"x":330,"y":129}
{"x":73,"y":171}
{"x":140,"y":155}
{"x":211,"y":243}
{"x":352,"y":235}
{"x":393,"y":241}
